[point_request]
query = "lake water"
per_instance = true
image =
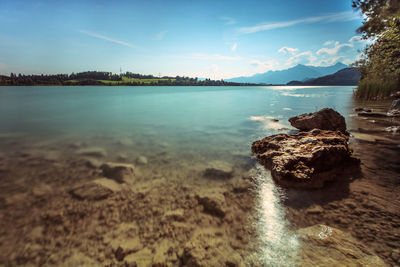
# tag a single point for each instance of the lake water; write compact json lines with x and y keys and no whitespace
{"x":206,"y":120}
{"x":180,"y":130}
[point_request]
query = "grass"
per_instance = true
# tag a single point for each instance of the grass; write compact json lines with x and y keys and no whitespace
{"x":376,"y":88}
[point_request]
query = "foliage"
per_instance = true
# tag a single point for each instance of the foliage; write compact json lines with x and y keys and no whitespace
{"x":380,"y":64}
{"x":107,"y":78}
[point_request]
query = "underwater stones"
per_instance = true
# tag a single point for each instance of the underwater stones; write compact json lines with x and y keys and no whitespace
{"x":219,"y":170}
{"x":325,"y":119}
{"x":213,"y":203}
{"x":120,"y":172}
{"x":207,"y":247}
{"x":42,"y":190}
{"x":175,"y":215}
{"x":327,"y":246}
{"x":91,"y":163}
{"x":124,"y":247}
{"x":97,"y":152}
{"x":95,"y":190}
{"x":141,"y":258}
{"x":305,"y":159}
{"x":142,"y":160}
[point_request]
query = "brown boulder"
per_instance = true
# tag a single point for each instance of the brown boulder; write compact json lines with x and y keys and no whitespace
{"x":325,"y":119}
{"x":305,"y":159}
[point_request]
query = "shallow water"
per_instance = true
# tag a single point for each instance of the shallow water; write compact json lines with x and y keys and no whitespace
{"x":181,"y":131}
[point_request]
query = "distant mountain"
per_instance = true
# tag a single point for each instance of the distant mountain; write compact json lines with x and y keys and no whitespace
{"x":347,"y":76}
{"x":299,"y":73}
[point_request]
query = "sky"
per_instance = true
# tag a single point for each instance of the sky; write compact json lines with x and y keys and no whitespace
{"x":207,"y":39}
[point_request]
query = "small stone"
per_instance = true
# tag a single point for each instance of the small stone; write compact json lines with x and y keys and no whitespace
{"x":242,"y":186}
{"x":97,"y":152}
{"x":219,"y":170}
{"x":142,"y":160}
{"x":120,"y":172}
{"x":122,"y":157}
{"x":143,"y":258}
{"x":42,"y":190}
{"x":213,"y":203}
{"x":175,"y":215}
{"x":36,"y":234}
{"x":91,"y":163}
{"x":95,"y":190}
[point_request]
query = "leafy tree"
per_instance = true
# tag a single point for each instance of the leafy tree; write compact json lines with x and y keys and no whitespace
{"x":380,"y":64}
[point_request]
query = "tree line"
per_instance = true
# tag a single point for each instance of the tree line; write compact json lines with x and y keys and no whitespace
{"x":109,"y":79}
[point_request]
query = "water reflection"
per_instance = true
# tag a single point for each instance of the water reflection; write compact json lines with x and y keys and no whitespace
{"x":278,"y":246}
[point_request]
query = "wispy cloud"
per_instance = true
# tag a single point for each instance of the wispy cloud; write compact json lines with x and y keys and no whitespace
{"x":103,"y":37}
{"x":234,"y":47}
{"x":328,"y":42}
{"x":288,"y":50}
{"x":161,"y":35}
{"x":228,"y":20}
{"x":335,"y":17}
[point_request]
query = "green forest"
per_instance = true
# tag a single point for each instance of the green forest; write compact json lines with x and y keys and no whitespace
{"x":108,"y":78}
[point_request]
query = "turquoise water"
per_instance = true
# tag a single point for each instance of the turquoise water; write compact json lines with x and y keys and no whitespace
{"x":220,"y":118}
{"x":180,"y":130}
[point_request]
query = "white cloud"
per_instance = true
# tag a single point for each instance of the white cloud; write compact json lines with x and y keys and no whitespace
{"x":264,"y":66}
{"x":306,"y":58}
{"x":354,"y":43}
{"x":103,"y":37}
{"x":335,"y":50}
{"x":160,"y":35}
{"x":335,"y":17}
{"x":328,"y":42}
{"x":234,"y":47}
{"x":228,"y":20}
{"x":288,"y":50}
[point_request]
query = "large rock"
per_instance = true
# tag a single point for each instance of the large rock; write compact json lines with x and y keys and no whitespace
{"x":321,"y":245}
{"x":305,"y":159}
{"x":325,"y":119}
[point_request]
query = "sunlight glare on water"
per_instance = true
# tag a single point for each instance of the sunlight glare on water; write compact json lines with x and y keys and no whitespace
{"x":278,"y":245}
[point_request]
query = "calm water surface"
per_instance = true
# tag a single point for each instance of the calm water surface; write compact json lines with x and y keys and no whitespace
{"x":189,"y":126}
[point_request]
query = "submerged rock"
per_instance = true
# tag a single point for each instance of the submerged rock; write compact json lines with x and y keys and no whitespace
{"x":93,"y":152}
{"x":120,"y":172}
{"x":321,"y":245}
{"x":219,"y":170}
{"x":213,"y":203}
{"x":305,"y":159}
{"x":95,"y":190}
{"x":142,"y":160}
{"x":325,"y":119}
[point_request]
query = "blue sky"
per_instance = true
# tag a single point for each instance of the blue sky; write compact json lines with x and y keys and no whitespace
{"x":216,"y":39}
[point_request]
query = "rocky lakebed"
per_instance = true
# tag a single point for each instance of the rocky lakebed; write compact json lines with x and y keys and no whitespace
{"x":82,"y":203}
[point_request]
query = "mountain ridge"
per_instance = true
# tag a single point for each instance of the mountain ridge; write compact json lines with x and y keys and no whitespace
{"x":299,"y":72}
{"x":346,"y":76}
